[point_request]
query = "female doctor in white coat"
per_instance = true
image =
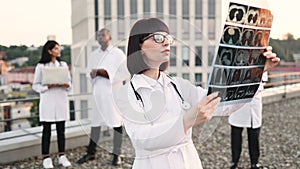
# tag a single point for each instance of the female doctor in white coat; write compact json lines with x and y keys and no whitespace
{"x":159,"y":111}
{"x":54,"y":103}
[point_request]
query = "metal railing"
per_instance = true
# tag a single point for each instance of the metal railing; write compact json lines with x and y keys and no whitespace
{"x":275,"y":80}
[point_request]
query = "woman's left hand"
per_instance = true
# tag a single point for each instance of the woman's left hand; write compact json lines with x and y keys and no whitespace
{"x":271,"y":59}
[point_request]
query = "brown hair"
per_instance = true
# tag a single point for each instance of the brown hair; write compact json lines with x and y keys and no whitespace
{"x":141,"y":29}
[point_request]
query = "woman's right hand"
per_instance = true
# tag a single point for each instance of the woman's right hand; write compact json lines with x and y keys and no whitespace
{"x":202,"y":112}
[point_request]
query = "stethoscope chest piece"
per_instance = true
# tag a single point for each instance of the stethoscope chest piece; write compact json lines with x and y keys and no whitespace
{"x":185,"y":105}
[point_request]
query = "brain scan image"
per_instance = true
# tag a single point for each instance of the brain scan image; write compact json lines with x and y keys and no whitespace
{"x":231,"y":35}
{"x":236,"y":13}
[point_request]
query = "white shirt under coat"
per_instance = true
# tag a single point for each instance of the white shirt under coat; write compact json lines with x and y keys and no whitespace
{"x":54,"y":102}
{"x":250,"y":115}
{"x":113,"y":60}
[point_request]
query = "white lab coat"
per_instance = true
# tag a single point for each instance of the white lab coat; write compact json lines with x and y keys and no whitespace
{"x":54,"y":102}
{"x":104,"y":110}
{"x":163,"y":143}
{"x":250,"y":115}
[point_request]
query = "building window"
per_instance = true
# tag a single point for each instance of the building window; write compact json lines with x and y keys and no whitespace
{"x":172,"y":8}
{"x":198,"y":56}
{"x":121,"y":30}
{"x":211,"y":9}
{"x":122,"y":48}
{"x":173,"y":74}
{"x":133,"y":9}
{"x":173,"y":56}
{"x":120,"y":9}
{"x":211,"y":54}
{"x":173,"y":25}
{"x":211,"y":19}
{"x":198,"y":20}
{"x":198,"y":9}
{"x":186,"y":76}
{"x":198,"y":79}
{"x":146,"y":7}
{"x":185,"y":10}
{"x":107,"y":9}
{"x":83,"y":83}
{"x":185,"y":29}
{"x":159,"y":8}
{"x":211,"y":29}
{"x":84,"y":109}
{"x":185,"y":56}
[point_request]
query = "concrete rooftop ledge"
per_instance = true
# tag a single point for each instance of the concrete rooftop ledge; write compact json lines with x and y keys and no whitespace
{"x":24,"y":143}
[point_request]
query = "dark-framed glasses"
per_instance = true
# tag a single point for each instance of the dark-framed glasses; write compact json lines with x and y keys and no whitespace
{"x":160,"y":38}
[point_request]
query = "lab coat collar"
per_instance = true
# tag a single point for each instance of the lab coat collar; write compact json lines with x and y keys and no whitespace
{"x":56,"y":63}
{"x":109,"y":47}
{"x":143,"y":81}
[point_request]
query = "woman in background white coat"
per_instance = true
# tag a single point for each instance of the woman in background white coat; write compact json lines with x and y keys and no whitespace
{"x":54,"y":103}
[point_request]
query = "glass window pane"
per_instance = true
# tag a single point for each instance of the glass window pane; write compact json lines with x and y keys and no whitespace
{"x":121,"y":30}
{"x":198,"y":9}
{"x":198,"y":56}
{"x":185,"y":29}
{"x":185,"y":56}
{"x":120,"y":8}
{"x":173,"y":74}
{"x":172,"y":8}
{"x":84,"y":109}
{"x":198,"y":79}
{"x":211,"y":54}
{"x":211,"y":29}
{"x":107,"y":9}
{"x":185,"y":9}
{"x":198,"y":29}
{"x":173,"y":56}
{"x":133,"y":8}
{"x":186,"y":76}
{"x":83,"y":83}
{"x":211,"y":9}
{"x":146,"y":7}
{"x":173,"y":25}
{"x":159,"y":8}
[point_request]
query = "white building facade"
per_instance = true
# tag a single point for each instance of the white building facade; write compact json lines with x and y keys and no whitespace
{"x":196,"y":25}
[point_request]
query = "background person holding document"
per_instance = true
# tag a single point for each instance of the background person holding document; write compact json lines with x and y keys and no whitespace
{"x":107,"y":70}
{"x":54,"y":103}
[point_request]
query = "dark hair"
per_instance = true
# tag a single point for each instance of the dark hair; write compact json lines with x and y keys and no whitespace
{"x":141,"y":29}
{"x":46,"y":56}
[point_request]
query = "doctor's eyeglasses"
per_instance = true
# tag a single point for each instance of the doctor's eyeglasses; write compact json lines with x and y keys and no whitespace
{"x":160,"y":38}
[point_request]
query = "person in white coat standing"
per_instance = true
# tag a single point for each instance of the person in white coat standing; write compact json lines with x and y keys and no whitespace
{"x":249,"y":116}
{"x":159,"y":111}
{"x":54,"y":103}
{"x":107,"y":70}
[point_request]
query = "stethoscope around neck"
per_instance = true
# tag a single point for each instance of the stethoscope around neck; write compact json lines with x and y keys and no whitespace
{"x":185,"y":105}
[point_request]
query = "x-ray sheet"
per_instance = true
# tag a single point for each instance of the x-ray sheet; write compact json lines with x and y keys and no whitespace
{"x":239,"y":62}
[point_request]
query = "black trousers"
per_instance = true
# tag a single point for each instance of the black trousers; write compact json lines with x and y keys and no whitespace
{"x":95,"y":136}
{"x":253,"y":143}
{"x":46,"y":136}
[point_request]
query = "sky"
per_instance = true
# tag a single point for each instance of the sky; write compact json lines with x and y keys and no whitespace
{"x":29,"y":22}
